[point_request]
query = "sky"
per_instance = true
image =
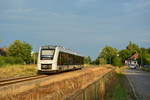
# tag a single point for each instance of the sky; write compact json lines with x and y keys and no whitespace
{"x":85,"y":26}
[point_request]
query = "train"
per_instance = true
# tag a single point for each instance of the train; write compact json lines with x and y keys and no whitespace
{"x":53,"y":59}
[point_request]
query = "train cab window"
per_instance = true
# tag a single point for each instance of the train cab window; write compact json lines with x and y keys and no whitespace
{"x":47,"y":54}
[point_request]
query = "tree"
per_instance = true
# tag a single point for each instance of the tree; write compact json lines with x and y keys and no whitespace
{"x":108,"y":53}
{"x":145,"y":58}
{"x":125,"y":54}
{"x":34,"y":57}
{"x":95,"y":62}
{"x":20,"y":49}
{"x":117,"y":61}
{"x":133,"y":48}
{"x":148,"y":50}
{"x":87,"y":60}
{"x":102,"y":61}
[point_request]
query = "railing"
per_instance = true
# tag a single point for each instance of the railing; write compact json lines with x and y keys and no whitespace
{"x":94,"y":91}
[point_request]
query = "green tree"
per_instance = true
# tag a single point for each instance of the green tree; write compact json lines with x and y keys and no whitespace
{"x":34,"y":57}
{"x":20,"y":49}
{"x":133,"y":48}
{"x":117,"y":61}
{"x":87,"y":60}
{"x":145,"y":58}
{"x":125,"y":54}
{"x":148,"y":50}
{"x":95,"y":62}
{"x":102,"y":61}
{"x":108,"y":53}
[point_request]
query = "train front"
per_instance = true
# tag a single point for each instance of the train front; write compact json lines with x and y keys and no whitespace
{"x":46,"y":61}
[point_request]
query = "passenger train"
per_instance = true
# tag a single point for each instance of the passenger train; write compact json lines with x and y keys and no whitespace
{"x":58,"y":59}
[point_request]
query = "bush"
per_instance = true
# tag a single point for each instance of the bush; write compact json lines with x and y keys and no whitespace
{"x":117,"y":61}
{"x":20,"y":49}
{"x":102,"y":61}
{"x":146,"y":58}
{"x":10,"y":61}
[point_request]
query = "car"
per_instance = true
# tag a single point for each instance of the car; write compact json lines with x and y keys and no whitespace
{"x":132,"y":66}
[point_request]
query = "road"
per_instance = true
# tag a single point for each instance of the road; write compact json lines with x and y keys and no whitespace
{"x":140,"y":83}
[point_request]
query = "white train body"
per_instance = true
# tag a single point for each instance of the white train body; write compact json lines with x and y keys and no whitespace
{"x":57,"y":58}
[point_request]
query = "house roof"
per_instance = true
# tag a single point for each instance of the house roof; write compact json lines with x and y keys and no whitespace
{"x":135,"y":56}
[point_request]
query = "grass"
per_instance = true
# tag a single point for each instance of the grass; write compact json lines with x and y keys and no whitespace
{"x":17,"y":71}
{"x":119,"y":89}
{"x":145,"y":69}
{"x":60,"y":86}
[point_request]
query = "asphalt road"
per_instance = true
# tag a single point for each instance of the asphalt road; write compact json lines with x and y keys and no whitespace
{"x":140,"y":83}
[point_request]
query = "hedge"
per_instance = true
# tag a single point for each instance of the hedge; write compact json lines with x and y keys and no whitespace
{"x":10,"y":60}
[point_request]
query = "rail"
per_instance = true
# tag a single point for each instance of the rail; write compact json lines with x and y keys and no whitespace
{"x":20,"y":79}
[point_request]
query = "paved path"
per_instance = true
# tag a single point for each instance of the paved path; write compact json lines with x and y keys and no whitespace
{"x":140,"y":82}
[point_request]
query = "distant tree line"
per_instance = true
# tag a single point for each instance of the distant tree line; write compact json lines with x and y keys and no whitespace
{"x":110,"y":55}
{"x":19,"y":52}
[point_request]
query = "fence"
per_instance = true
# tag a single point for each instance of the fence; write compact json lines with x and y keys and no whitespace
{"x":95,"y":90}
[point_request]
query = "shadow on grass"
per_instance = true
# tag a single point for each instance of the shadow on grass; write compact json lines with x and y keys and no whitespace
{"x":119,"y":90}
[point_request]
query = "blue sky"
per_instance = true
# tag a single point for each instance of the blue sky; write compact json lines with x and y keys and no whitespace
{"x":85,"y":26}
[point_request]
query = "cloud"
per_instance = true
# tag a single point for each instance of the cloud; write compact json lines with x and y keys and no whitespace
{"x":135,"y":5}
{"x":85,"y":24}
{"x":83,"y":3}
{"x":24,"y":10}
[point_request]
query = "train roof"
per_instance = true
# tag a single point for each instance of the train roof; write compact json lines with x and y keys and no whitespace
{"x":61,"y":48}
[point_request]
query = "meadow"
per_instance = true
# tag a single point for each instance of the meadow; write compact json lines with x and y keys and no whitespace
{"x":10,"y":71}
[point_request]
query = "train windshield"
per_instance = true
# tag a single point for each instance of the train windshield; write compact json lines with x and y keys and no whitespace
{"x":47,"y":54}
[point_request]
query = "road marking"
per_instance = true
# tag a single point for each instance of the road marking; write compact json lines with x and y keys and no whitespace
{"x":132,"y":87}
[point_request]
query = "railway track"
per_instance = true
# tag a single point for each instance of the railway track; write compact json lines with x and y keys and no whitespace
{"x":5,"y":82}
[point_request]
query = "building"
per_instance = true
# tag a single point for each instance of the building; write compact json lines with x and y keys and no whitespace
{"x":3,"y":51}
{"x":133,"y":60}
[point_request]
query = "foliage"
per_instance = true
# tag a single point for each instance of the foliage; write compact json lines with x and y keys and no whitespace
{"x":119,"y":90}
{"x":102,"y":61}
{"x":117,"y":61}
{"x":125,"y":54}
{"x":146,"y":58}
{"x":34,"y":57}
{"x":21,"y":49}
{"x":95,"y":62}
{"x":108,"y":53}
{"x":145,"y":69}
{"x":87,"y":60}
{"x":10,"y":61}
{"x":148,"y":50}
{"x":133,"y":48}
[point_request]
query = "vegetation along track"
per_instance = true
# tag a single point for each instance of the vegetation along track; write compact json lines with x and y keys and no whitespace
{"x":20,"y":79}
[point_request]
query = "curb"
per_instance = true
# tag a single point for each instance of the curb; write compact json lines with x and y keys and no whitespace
{"x":132,"y":88}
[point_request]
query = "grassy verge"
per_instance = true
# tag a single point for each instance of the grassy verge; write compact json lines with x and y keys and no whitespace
{"x":17,"y":71}
{"x":146,"y":69}
{"x":119,"y":89}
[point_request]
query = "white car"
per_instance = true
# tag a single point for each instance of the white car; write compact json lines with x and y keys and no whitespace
{"x":132,"y":66}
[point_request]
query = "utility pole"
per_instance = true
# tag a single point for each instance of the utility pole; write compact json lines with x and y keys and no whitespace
{"x":141,"y":59}
{"x":34,"y":57}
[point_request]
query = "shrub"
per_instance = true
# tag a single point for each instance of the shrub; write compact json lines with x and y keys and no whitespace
{"x":10,"y":61}
{"x":102,"y":61}
{"x":117,"y":61}
{"x":20,"y":49}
